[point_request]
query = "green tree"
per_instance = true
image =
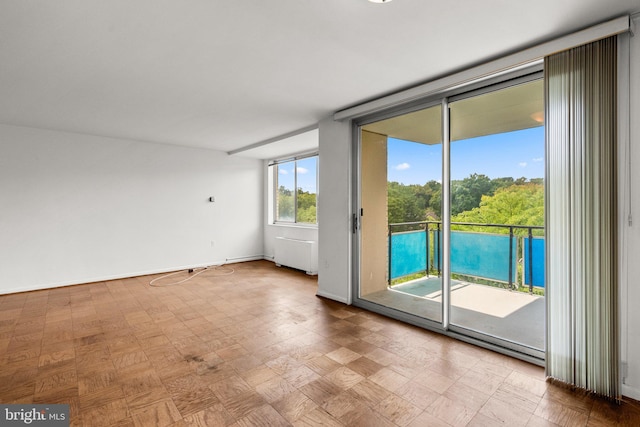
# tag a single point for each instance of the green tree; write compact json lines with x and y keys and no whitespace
{"x":433,"y":205}
{"x":466,"y":194}
{"x":519,"y":204}
{"x":285,"y":204}
{"x":307,"y":215}
{"x":498,"y":183}
{"x":409,"y":203}
{"x":306,"y":207}
{"x":402,"y":204}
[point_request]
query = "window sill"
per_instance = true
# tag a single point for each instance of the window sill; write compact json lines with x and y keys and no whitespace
{"x":294,"y":225}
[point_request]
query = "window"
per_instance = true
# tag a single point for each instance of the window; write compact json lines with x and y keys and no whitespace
{"x":296,"y":185}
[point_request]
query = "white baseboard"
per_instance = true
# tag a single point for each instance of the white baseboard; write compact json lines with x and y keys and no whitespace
{"x":39,"y":287}
{"x":334,"y":297}
{"x":631,"y":392}
{"x":244,"y":259}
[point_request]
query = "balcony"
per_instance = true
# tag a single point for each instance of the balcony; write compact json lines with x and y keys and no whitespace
{"x":497,"y":277}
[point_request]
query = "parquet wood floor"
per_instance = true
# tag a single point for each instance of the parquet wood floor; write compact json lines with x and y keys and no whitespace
{"x":258,"y":348}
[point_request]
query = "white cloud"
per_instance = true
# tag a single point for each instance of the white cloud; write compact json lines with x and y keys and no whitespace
{"x":538,"y":159}
{"x":522,"y":164}
{"x":302,"y":170}
{"x":402,"y":166}
{"x":282,"y":171}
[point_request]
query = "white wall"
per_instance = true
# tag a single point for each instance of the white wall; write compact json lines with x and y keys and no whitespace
{"x":78,"y":208}
{"x":334,"y":211}
{"x":630,"y":235}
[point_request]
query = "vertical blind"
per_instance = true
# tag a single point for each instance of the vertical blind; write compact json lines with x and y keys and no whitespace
{"x":580,"y":110}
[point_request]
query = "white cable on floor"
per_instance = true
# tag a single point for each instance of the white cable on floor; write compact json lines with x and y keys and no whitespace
{"x":228,"y":272}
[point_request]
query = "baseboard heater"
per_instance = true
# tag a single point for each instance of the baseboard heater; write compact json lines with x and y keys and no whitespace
{"x":298,"y":254}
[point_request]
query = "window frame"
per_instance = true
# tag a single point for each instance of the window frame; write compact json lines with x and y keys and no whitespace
{"x":274,"y":164}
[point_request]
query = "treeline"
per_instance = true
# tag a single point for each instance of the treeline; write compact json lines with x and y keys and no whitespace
{"x":306,"y":202}
{"x":477,"y":199}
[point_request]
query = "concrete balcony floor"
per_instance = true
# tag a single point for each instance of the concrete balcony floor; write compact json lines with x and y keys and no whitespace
{"x":509,"y":315}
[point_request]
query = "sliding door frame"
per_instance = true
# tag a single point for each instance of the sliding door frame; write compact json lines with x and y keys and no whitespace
{"x":500,"y":81}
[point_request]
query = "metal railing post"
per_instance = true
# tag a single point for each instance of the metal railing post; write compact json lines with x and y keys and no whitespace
{"x":510,"y":257}
{"x":530,"y":261}
{"x":389,"y":238}
{"x":426,"y":249}
{"x":439,"y":250}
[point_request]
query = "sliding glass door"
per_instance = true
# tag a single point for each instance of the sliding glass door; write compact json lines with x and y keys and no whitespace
{"x":451,"y":215}
{"x":497,"y":214}
{"x":400,"y":198}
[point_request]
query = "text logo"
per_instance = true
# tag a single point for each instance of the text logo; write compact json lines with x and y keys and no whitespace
{"x":34,"y":415}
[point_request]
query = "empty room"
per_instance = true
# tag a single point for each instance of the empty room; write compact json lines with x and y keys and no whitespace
{"x":319,"y":213}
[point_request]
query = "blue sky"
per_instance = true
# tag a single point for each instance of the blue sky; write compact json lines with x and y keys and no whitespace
{"x":306,"y":174}
{"x":515,"y":154}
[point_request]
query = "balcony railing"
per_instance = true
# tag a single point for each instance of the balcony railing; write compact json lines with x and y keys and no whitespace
{"x":416,"y":247}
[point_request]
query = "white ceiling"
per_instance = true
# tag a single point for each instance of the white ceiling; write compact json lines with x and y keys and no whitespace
{"x":229,"y":74}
